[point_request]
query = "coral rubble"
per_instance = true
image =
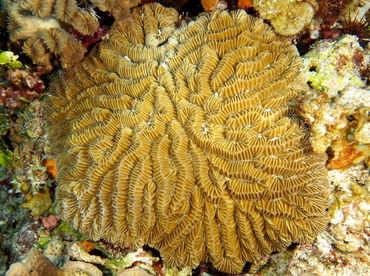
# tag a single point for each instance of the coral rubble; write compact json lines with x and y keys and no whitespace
{"x":19,"y":86}
{"x":35,"y":263}
{"x":338,"y":106}
{"x":30,"y":147}
{"x":12,"y":221}
{"x":23,"y":178}
{"x":186,"y":139}
{"x":288,"y":17}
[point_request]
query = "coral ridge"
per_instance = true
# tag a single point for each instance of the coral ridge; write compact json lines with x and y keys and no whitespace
{"x":186,"y":139}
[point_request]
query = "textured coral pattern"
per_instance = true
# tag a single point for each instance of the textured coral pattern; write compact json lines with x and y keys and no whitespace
{"x":185,"y":138}
{"x":42,"y":23}
{"x":118,"y":8}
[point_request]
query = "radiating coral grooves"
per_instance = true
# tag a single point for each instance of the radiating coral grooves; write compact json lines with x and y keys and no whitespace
{"x":186,"y":139}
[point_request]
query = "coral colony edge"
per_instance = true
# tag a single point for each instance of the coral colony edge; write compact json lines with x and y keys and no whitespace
{"x":184,"y":136}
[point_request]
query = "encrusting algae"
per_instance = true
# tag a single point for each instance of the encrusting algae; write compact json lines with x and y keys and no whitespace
{"x":288,"y":17}
{"x":186,"y":139}
{"x":338,"y":106}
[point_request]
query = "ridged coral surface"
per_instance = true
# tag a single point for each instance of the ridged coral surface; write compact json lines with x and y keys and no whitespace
{"x":42,"y":25}
{"x":185,"y":138}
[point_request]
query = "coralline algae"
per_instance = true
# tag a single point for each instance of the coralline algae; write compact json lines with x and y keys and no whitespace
{"x":338,"y":105}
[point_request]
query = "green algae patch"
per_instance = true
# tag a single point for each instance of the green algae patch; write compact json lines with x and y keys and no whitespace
{"x":5,"y":155}
{"x":117,"y":263}
{"x":66,"y":227}
{"x":43,"y":242}
{"x":39,"y":202}
{"x":9,"y":59}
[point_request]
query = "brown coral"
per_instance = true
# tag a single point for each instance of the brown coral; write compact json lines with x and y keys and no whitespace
{"x":34,"y":263}
{"x":119,"y":8}
{"x":41,"y":24}
{"x":187,"y":140}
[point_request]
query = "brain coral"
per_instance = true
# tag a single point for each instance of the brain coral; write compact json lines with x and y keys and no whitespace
{"x":186,"y":139}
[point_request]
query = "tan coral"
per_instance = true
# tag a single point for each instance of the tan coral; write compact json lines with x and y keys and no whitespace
{"x":119,"y":8}
{"x":135,"y":271}
{"x":77,"y":268}
{"x":35,"y":263}
{"x":17,"y":269}
{"x":78,"y":251}
{"x":187,"y":140}
{"x":41,"y":24}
